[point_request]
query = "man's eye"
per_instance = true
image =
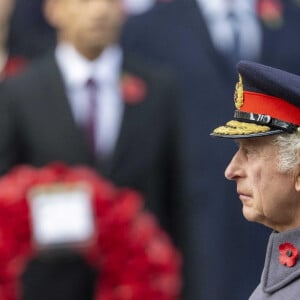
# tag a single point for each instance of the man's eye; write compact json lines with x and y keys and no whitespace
{"x":247,"y":150}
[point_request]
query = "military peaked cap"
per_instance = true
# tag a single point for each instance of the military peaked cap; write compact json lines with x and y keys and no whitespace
{"x":267,"y":102}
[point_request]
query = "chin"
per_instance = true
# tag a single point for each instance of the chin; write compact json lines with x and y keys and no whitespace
{"x":251,"y":215}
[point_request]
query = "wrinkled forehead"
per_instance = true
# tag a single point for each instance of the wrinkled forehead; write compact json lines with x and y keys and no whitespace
{"x":256,"y":141}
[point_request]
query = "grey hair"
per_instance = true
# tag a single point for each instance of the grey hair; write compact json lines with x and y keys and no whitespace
{"x":288,"y":151}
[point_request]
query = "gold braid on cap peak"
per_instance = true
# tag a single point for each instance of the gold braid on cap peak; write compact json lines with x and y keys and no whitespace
{"x":240,"y":128}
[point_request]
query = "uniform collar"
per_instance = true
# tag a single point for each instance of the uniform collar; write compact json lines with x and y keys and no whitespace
{"x":276,"y":275}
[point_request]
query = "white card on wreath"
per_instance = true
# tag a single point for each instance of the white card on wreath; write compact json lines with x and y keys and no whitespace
{"x":61,"y":215}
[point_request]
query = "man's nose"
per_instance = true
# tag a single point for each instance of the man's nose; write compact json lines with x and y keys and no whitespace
{"x":233,"y":169}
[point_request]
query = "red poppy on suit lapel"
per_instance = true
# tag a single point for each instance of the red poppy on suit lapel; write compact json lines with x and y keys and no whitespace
{"x":270,"y":12}
{"x":13,"y":66}
{"x":134,"y":89}
{"x":288,"y":254}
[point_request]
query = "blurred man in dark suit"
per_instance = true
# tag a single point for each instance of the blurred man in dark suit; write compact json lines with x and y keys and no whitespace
{"x":9,"y":64}
{"x":88,"y":103}
{"x":202,"y":40}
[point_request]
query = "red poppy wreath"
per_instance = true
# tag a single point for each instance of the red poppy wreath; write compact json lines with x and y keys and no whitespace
{"x":125,"y":235}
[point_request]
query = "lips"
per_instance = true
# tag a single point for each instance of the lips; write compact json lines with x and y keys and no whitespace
{"x":243,"y":193}
{"x":244,"y":197}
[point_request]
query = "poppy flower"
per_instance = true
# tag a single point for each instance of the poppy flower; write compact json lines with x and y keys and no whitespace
{"x":13,"y":66}
{"x":288,"y":254}
{"x":134,"y":89}
{"x":271,"y":12}
{"x":134,"y":256}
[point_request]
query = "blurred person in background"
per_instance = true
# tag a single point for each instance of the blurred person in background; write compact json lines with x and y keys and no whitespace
{"x":31,"y":34}
{"x":9,"y":64}
{"x":88,"y":103}
{"x":202,"y":41}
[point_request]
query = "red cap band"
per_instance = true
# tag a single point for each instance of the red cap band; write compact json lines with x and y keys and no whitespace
{"x":268,"y":105}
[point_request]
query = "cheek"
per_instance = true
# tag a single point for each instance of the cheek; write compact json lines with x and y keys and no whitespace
{"x":276,"y":196}
{"x":258,"y":184}
{"x":117,"y":17}
{"x":262,"y":190}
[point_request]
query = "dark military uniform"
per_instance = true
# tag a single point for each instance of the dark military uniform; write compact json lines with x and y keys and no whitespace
{"x":278,"y":280}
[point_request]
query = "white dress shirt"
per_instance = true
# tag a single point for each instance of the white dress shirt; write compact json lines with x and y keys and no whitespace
{"x":106,"y":71}
{"x":135,"y":7}
{"x":222,"y":30}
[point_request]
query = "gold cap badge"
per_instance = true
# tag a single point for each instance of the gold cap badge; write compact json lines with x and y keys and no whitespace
{"x":239,"y":93}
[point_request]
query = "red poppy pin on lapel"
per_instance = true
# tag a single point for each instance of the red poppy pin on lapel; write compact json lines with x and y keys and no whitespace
{"x":270,"y":12}
{"x":134,"y":89}
{"x":288,"y":254}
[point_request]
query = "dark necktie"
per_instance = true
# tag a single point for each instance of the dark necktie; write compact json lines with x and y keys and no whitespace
{"x":235,"y":50}
{"x":90,"y":126}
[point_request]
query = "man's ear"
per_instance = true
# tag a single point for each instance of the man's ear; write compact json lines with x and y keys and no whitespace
{"x":297,"y":179}
{"x":52,"y":12}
